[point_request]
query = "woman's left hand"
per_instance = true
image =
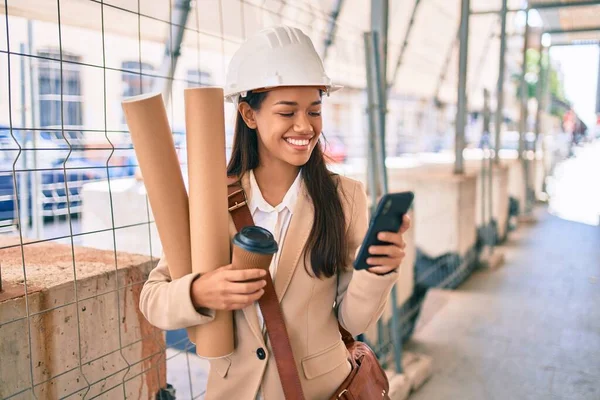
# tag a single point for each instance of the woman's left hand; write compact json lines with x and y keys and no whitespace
{"x":389,"y":257}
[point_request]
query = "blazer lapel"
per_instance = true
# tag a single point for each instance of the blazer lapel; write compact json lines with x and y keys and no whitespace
{"x":295,"y":239}
{"x":249,"y":312}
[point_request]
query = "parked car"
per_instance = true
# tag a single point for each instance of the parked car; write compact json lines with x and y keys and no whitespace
{"x":59,"y":158}
{"x":335,"y":148}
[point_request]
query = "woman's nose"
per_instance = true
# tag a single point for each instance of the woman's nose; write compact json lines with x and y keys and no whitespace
{"x":302,"y":124}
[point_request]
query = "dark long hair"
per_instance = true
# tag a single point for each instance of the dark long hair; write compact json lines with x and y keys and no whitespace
{"x":327,"y":242}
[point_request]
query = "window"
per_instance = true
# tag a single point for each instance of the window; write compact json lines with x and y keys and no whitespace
{"x":137,"y":81}
{"x":198,"y":78}
{"x":134,"y":82}
{"x":51,"y":108}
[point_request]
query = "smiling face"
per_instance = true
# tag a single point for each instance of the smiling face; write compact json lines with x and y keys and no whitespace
{"x":288,"y":124}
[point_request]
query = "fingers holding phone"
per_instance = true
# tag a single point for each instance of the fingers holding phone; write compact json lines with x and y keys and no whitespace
{"x":387,"y":257}
{"x":383,"y":247}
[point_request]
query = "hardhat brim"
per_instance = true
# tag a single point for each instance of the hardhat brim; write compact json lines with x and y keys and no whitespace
{"x":328,"y":89}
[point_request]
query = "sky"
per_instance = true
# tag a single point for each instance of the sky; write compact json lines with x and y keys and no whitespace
{"x":579,"y":65}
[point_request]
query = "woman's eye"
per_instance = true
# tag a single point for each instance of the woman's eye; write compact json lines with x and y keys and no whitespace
{"x":316,"y":114}
{"x":287,"y":115}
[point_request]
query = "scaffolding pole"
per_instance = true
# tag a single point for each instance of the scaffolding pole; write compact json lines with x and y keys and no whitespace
{"x":587,"y":29}
{"x":523,"y":154}
{"x":500,"y":86}
{"x":523,"y":86}
{"x":539,"y":92}
{"x":598,"y":86}
{"x":376,"y":93}
{"x":179,"y":16}
{"x":37,"y":222}
{"x":331,"y":28}
{"x":541,"y":82}
{"x":543,"y":6}
{"x":373,"y":115}
{"x":461,"y":113}
{"x":23,"y":179}
{"x":404,"y":44}
{"x":379,"y":26}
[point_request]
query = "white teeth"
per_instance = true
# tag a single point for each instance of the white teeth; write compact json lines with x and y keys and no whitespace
{"x":298,"y":142}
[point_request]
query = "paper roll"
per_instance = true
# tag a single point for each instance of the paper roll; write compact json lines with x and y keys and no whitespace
{"x":209,"y":216}
{"x":153,"y":144}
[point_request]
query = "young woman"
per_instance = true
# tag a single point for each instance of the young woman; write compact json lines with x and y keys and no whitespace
{"x":319,"y":220}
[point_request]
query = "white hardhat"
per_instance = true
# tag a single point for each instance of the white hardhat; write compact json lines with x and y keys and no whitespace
{"x":274,"y":57}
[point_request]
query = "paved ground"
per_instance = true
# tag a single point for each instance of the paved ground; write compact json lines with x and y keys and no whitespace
{"x":187,"y":373}
{"x":531,"y":329}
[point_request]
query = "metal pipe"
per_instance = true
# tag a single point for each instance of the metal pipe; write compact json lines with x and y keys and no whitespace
{"x":36,"y":214}
{"x":545,"y":108}
{"x":493,"y":12}
{"x":588,"y":29}
{"x":538,"y":114}
{"x":500,"y":86}
{"x":24,"y":178}
{"x":461,"y":113}
{"x":577,"y":43}
{"x":539,"y":92}
{"x":523,"y":85}
{"x":524,"y":116}
{"x":179,"y":16}
{"x":562,"y":4}
{"x":331,"y":28}
{"x":373,"y":116}
{"x":379,"y":24}
{"x":404,"y":44}
{"x":541,"y":6}
{"x":598,"y":86}
{"x":488,"y":161}
{"x":375,"y":96}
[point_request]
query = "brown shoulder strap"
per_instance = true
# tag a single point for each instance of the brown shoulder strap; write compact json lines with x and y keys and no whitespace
{"x":269,"y":304}
{"x":238,"y":204}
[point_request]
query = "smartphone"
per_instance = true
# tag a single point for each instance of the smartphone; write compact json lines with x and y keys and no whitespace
{"x":387,"y":218}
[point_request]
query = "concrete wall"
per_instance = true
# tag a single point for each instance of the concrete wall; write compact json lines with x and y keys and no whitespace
{"x":444,"y":208}
{"x":131,"y":213}
{"x":500,"y":195}
{"x":84,"y":339}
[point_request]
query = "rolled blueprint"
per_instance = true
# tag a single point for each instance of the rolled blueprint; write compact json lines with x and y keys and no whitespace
{"x":153,"y":144}
{"x":209,"y":216}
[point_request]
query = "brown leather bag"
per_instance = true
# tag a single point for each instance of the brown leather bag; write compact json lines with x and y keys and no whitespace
{"x":366,"y":381}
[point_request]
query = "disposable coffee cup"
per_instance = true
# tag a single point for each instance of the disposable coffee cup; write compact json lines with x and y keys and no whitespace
{"x":253,"y":248}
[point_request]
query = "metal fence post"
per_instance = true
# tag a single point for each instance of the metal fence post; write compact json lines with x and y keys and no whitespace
{"x":598,"y":88}
{"x":461,"y":113}
{"x":23,"y":156}
{"x":178,"y":19}
{"x":538,"y":112}
{"x":500,"y":87}
{"x":523,"y":154}
{"x":376,"y":93}
{"x":370,"y":38}
{"x":37,"y":223}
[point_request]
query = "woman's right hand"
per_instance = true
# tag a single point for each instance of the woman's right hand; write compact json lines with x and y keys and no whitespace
{"x":225,"y":289}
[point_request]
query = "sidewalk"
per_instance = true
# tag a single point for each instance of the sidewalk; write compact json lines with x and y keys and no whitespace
{"x":529,"y":330}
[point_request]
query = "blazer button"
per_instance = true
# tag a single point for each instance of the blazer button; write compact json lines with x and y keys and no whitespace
{"x":260,"y":353}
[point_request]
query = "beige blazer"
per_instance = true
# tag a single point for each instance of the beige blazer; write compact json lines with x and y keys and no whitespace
{"x":307,"y":304}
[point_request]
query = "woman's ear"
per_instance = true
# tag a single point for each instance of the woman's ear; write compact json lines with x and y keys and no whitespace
{"x":248,"y":115}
